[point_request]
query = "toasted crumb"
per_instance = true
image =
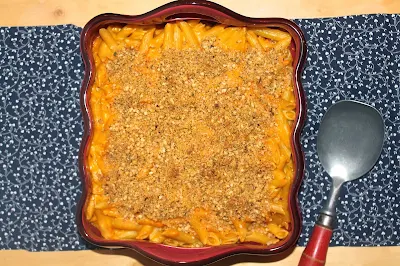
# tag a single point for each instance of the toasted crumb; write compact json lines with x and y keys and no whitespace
{"x":190,"y":129}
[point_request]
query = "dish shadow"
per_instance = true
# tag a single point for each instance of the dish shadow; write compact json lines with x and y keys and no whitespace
{"x":227,"y":261}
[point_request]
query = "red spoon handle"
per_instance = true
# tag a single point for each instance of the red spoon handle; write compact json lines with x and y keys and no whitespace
{"x":315,"y":252}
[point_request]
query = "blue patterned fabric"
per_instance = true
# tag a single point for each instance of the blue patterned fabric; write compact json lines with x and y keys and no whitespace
{"x":356,"y":57}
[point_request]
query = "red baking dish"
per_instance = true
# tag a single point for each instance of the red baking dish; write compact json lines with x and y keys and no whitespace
{"x":207,"y":11}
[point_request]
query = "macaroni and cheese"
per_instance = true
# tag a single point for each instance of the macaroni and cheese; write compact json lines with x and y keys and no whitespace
{"x":191,"y":140}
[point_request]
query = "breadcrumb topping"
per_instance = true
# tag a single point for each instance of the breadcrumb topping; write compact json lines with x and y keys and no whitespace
{"x":190,"y":131}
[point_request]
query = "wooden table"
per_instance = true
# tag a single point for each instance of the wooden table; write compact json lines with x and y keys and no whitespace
{"x":48,"y":12}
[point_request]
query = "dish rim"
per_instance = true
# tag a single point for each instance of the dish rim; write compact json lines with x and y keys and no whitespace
{"x":184,"y":10}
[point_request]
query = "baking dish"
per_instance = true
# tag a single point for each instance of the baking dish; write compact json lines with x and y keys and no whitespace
{"x":206,"y":11}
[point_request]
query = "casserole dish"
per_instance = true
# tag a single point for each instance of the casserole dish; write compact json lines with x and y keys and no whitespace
{"x":205,"y":11}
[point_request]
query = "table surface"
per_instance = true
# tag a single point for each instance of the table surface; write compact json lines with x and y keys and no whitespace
{"x":50,"y":12}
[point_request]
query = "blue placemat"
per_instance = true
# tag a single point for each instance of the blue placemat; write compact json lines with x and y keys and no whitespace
{"x":356,"y":57}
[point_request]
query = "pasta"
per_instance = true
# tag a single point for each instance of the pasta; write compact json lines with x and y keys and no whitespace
{"x":191,"y":134}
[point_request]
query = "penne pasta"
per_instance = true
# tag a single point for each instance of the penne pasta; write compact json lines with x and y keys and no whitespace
{"x":147,"y":221}
{"x":241,"y":229}
{"x":111,"y":212}
{"x":125,"y":32}
{"x":121,"y":234}
{"x":199,"y":29}
{"x":252,"y":39}
{"x":200,"y":229}
{"x":158,"y":40}
{"x":104,"y":52}
{"x":257,"y":237}
{"x":226,"y":35}
{"x":214,"y":31}
{"x":90,"y":208}
{"x":213,"y":239}
{"x":100,"y":202}
{"x":277,"y":208}
{"x":179,"y":236}
{"x":277,"y":231}
{"x":230,"y":238}
{"x":265,"y":43}
{"x":156,"y":236}
{"x":189,"y":34}
{"x":169,"y":36}
{"x":178,"y":37}
{"x":104,"y":224}
{"x":108,"y":39}
{"x":147,"y":38}
{"x":193,"y":23}
{"x":273,"y":34}
{"x":145,"y":232}
{"x":283,"y":43}
{"x":279,"y":179}
{"x":124,"y":224}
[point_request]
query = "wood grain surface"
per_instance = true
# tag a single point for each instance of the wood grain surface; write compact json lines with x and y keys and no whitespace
{"x":338,"y":256}
{"x":47,"y":12}
{"x":50,"y":12}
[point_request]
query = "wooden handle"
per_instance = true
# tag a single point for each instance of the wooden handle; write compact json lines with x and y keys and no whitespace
{"x":315,"y":252}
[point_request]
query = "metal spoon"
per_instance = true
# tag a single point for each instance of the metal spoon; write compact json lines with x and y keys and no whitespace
{"x":349,"y":143}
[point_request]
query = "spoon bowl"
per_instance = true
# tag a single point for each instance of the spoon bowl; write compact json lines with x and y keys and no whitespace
{"x":350,"y":140}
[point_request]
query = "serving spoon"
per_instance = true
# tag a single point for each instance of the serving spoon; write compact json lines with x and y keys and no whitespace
{"x":349,"y":143}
